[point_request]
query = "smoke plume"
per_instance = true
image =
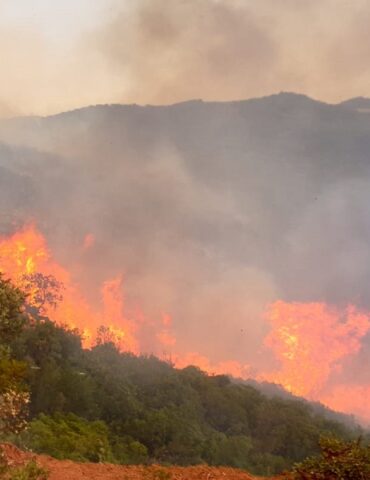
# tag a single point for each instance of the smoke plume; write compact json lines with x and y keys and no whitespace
{"x":161,"y":51}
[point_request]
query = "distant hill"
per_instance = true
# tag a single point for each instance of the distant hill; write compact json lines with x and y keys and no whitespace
{"x":361,"y":104}
{"x":272,"y":390}
{"x":211,"y":210}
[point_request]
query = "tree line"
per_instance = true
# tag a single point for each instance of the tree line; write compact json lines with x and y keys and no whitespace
{"x":101,"y":404}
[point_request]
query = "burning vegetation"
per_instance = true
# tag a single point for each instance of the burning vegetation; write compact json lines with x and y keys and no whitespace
{"x":311,"y":341}
{"x":104,"y":404}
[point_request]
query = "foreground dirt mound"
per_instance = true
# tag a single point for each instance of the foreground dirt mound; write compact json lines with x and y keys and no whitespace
{"x":14,"y":456}
{"x":68,"y":470}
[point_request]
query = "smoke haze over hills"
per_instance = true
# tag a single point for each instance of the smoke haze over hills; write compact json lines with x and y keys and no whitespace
{"x":63,"y":55}
{"x":212,"y":212}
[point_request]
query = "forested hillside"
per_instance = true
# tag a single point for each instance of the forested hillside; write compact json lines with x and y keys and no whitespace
{"x":104,"y":405}
{"x":211,"y":211}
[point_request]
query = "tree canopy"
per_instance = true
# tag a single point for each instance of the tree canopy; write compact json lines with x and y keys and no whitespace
{"x":101,"y":404}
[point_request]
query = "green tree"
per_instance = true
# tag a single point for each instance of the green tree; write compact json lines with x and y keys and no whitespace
{"x":12,"y":318}
{"x":43,"y":292}
{"x":234,"y":451}
{"x":69,"y":436}
{"x":14,"y":396}
{"x":338,"y":460}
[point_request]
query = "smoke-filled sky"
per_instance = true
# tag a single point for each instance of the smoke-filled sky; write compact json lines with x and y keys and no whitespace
{"x":212,"y":212}
{"x":245,"y":222}
{"x":61,"y":55}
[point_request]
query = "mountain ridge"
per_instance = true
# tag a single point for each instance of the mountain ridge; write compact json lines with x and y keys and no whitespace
{"x":265,"y":199}
{"x":280,"y":97}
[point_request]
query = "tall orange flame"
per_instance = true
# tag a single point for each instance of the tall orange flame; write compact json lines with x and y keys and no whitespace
{"x":26,"y":253}
{"x":311,"y":341}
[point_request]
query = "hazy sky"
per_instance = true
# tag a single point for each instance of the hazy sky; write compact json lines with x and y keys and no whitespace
{"x":57,"y":55}
{"x":60,"y":21}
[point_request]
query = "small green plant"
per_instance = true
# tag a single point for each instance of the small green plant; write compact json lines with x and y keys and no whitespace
{"x":30,"y":471}
{"x":338,"y":460}
{"x":157,"y":473}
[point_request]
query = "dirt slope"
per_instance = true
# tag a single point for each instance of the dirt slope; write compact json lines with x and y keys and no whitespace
{"x":68,"y":470}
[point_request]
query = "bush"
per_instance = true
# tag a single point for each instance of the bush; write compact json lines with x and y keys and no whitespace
{"x":339,"y":460}
{"x":127,"y":451}
{"x":68,"y":436}
{"x":233,"y":451}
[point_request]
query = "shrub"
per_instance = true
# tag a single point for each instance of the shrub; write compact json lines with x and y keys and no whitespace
{"x":339,"y":460}
{"x":69,"y":436}
{"x":30,"y":471}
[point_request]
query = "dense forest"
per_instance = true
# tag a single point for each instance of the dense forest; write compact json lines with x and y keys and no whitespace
{"x":105,"y":405}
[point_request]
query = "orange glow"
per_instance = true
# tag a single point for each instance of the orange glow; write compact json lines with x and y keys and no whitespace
{"x":353,"y":399}
{"x":165,"y":337}
{"x":233,"y":368}
{"x":26,"y":253}
{"x":311,"y":340}
{"x":113,"y":315}
{"x":89,"y":241}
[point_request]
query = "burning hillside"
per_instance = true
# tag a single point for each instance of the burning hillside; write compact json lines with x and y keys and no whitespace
{"x":311,"y":342}
{"x":26,"y":259}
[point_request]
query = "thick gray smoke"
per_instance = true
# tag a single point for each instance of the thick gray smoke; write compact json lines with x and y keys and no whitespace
{"x":167,"y":51}
{"x":164,"y":51}
{"x":211,"y":211}
{"x":179,"y":50}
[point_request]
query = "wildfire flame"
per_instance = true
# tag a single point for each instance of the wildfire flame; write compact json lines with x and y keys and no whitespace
{"x":311,"y":341}
{"x":26,"y":253}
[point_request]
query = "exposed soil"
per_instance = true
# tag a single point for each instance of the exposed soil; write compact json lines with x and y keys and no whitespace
{"x":68,"y":470}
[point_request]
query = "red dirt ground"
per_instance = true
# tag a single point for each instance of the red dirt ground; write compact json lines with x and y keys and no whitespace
{"x":68,"y":470}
